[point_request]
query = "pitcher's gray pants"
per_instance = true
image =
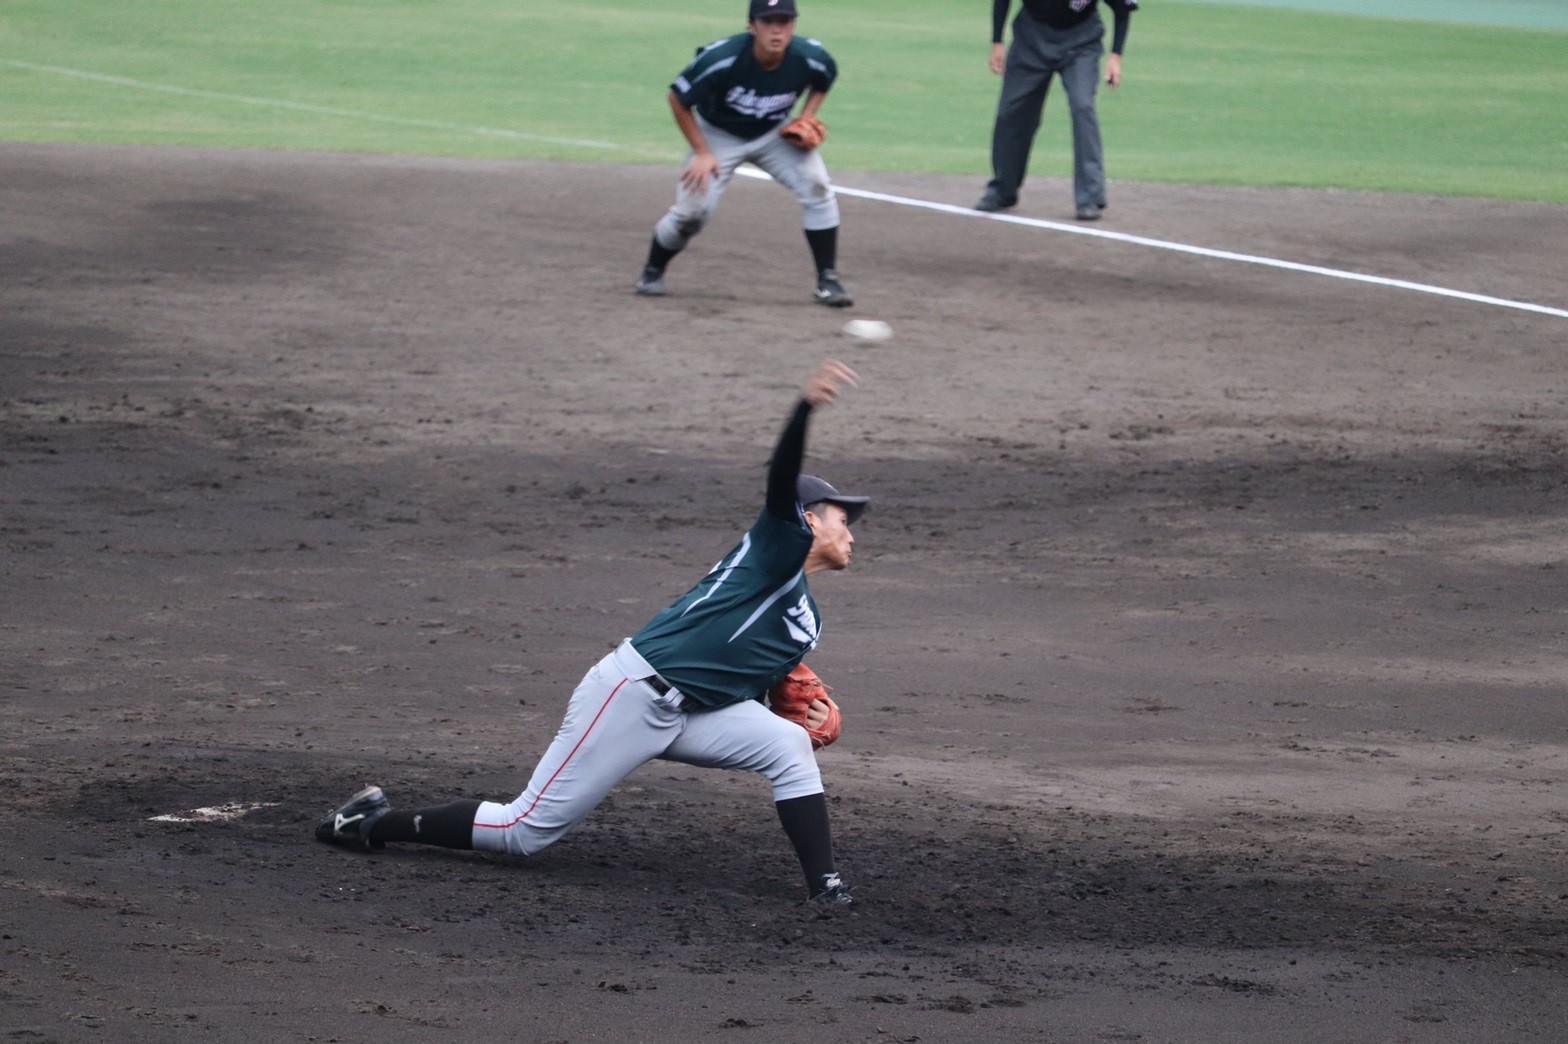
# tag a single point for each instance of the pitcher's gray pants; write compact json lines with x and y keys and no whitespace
{"x":616,"y":722}
{"x":1038,"y":52}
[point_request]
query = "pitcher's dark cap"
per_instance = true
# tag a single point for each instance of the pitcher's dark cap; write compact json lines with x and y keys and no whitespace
{"x":809,"y":490}
{"x":764,"y":8}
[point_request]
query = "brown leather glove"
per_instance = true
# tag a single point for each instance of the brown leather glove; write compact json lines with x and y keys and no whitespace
{"x":793,"y":696}
{"x":805,"y":132}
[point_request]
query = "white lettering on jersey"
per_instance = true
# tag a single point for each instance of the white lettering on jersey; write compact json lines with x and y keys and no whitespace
{"x":802,"y":622}
{"x":748,"y":102}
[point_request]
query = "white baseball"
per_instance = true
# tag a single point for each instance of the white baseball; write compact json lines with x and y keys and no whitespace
{"x":868,"y":329}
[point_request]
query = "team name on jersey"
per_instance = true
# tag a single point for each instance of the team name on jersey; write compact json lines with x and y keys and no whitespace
{"x":802,"y":622}
{"x":748,"y":102}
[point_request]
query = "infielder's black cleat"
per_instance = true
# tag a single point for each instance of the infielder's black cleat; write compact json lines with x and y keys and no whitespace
{"x":651,"y":283}
{"x":991,"y":202}
{"x":830,"y":291}
{"x":350,"y":825}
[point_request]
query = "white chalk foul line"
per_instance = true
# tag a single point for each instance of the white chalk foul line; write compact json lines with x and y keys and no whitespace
{"x":1184,"y":248}
{"x":882,"y":197}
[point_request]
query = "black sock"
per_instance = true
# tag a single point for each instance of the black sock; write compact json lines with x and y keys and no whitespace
{"x":805,"y":820}
{"x":824,"y":247}
{"x":659,"y":255}
{"x":449,"y":826}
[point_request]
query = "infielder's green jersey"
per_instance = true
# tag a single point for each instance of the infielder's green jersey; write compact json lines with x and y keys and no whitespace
{"x":745,"y":625}
{"x":728,"y":88}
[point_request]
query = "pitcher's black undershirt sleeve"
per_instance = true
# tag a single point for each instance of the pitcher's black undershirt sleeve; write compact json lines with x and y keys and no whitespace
{"x":788,"y":456}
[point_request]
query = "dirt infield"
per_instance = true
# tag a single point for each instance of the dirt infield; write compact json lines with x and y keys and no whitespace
{"x":1202,"y":659}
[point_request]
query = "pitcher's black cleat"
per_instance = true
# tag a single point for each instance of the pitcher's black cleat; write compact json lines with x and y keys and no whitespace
{"x":834,"y":894}
{"x":350,"y":825}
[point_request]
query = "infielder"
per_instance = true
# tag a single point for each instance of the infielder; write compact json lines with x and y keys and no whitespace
{"x":733,"y":104}
{"x":684,"y":688}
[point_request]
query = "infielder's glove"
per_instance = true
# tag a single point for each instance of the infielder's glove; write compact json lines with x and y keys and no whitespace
{"x":804,"y":132}
{"x":790,"y":698}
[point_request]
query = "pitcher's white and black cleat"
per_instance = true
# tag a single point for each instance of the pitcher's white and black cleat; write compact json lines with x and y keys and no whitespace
{"x":834,"y":894}
{"x":350,"y":825}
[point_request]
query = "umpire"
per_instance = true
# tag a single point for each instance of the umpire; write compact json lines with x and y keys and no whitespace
{"x":1064,"y":38}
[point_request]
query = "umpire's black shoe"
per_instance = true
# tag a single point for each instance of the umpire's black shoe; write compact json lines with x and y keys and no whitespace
{"x":1090,"y":213}
{"x":350,"y":825}
{"x":651,"y":283}
{"x":993,"y":201}
{"x":833,"y":895}
{"x":830,"y":291}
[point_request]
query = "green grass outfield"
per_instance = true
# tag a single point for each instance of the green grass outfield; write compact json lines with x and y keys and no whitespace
{"x":1213,"y":93}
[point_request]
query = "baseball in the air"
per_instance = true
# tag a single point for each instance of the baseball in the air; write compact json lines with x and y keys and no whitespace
{"x":868,"y":329}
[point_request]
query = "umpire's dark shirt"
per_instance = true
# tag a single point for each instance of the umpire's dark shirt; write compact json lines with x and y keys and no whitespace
{"x":1064,"y":14}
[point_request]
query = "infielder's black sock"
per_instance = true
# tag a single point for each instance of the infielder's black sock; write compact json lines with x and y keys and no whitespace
{"x":449,"y":826}
{"x":805,"y":820}
{"x":659,"y":255}
{"x":824,"y":246}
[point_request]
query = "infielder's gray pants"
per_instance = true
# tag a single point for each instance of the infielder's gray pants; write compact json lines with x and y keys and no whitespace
{"x":799,"y":170}
{"x":1038,"y":52}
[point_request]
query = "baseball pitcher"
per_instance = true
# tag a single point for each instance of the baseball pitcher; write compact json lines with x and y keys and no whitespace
{"x":688,"y":687}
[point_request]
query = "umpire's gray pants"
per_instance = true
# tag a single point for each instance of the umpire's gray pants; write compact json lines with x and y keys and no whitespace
{"x":1038,"y":52}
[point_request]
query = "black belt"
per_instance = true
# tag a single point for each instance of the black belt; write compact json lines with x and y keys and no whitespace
{"x":658,"y":684}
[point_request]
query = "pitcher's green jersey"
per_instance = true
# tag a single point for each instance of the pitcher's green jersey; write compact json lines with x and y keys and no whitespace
{"x":728,"y":87}
{"x":745,"y":625}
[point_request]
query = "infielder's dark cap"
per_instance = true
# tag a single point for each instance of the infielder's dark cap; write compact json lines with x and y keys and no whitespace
{"x":809,"y":490}
{"x":764,"y":8}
